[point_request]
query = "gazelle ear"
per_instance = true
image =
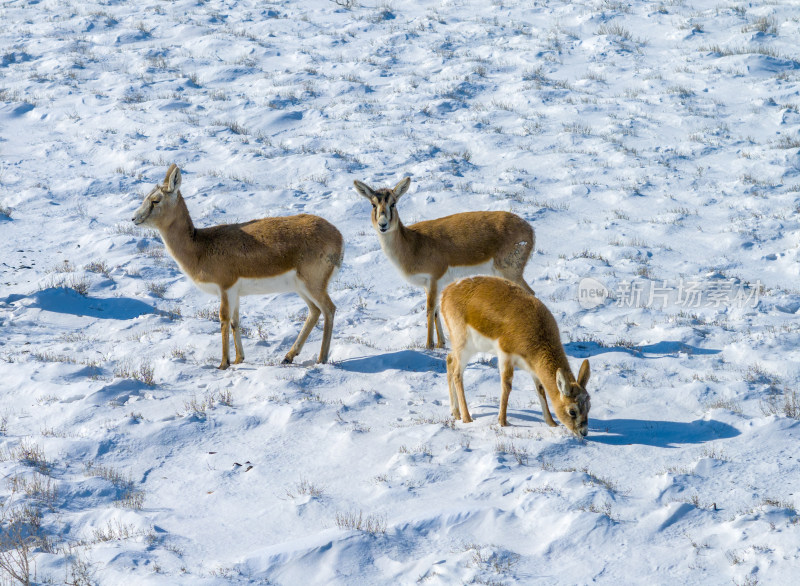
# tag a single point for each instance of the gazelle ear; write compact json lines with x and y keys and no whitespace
{"x":583,"y":375}
{"x":401,"y":188}
{"x":172,"y":181}
{"x":562,"y":383}
{"x":364,"y":189}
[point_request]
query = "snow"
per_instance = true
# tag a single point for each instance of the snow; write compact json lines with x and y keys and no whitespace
{"x":654,"y":148}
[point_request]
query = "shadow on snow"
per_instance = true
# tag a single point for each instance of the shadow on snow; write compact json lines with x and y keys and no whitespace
{"x":421,"y":361}
{"x":407,"y":360}
{"x":661,"y":434}
{"x":64,"y":300}
{"x":666,"y":348}
{"x":625,"y":432}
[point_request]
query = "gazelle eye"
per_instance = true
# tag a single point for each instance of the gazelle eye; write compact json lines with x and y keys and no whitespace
{"x":572,"y":413}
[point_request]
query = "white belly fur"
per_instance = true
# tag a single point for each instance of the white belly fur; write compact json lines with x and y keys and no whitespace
{"x":477,"y":342}
{"x":283,"y":283}
{"x":454,"y":274}
{"x":209,"y":288}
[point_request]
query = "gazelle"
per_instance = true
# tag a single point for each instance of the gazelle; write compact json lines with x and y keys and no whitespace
{"x":487,"y":314}
{"x":433,"y":253}
{"x":271,"y":255}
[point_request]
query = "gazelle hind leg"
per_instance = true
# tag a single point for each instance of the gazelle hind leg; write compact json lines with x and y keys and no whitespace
{"x":225,"y":328}
{"x":319,"y":295}
{"x":506,"y":367}
{"x":430,"y":315}
{"x":439,"y":330}
{"x":311,"y":320}
{"x":455,"y":366}
{"x":459,"y":364}
{"x":451,"y":387}
{"x":455,"y":328}
{"x":328,"y":312}
{"x":514,"y":275}
{"x":512,"y":263}
{"x":237,"y":336}
{"x":521,"y":282}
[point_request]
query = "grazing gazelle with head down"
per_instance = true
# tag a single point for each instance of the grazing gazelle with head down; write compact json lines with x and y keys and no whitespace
{"x":270,"y":255}
{"x":487,"y":314}
{"x":433,"y":253}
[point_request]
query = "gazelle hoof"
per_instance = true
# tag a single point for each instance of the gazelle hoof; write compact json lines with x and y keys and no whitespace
{"x":224,"y":365}
{"x":287,"y":360}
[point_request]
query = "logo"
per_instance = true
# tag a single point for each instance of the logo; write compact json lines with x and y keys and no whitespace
{"x":591,"y":293}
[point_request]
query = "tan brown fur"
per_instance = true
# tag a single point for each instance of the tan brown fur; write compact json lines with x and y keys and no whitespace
{"x":523,"y":333}
{"x":268,"y":248}
{"x":424,"y":252}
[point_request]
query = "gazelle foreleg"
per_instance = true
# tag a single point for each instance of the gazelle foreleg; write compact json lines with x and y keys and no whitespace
{"x":548,"y":418}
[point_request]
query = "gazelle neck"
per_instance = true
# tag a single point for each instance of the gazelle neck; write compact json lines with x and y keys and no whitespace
{"x":179,"y":236}
{"x":395,"y":242}
{"x":545,"y":368}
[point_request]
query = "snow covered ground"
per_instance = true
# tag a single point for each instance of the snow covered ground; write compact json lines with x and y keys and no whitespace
{"x":652,"y":145}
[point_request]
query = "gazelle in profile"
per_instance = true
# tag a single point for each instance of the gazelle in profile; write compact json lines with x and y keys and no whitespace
{"x":487,"y":314}
{"x":433,"y":253}
{"x":271,"y":255}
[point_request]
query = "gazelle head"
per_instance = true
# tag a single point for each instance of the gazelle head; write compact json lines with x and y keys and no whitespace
{"x":573,"y":408}
{"x":384,"y":214}
{"x":157,"y":209}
